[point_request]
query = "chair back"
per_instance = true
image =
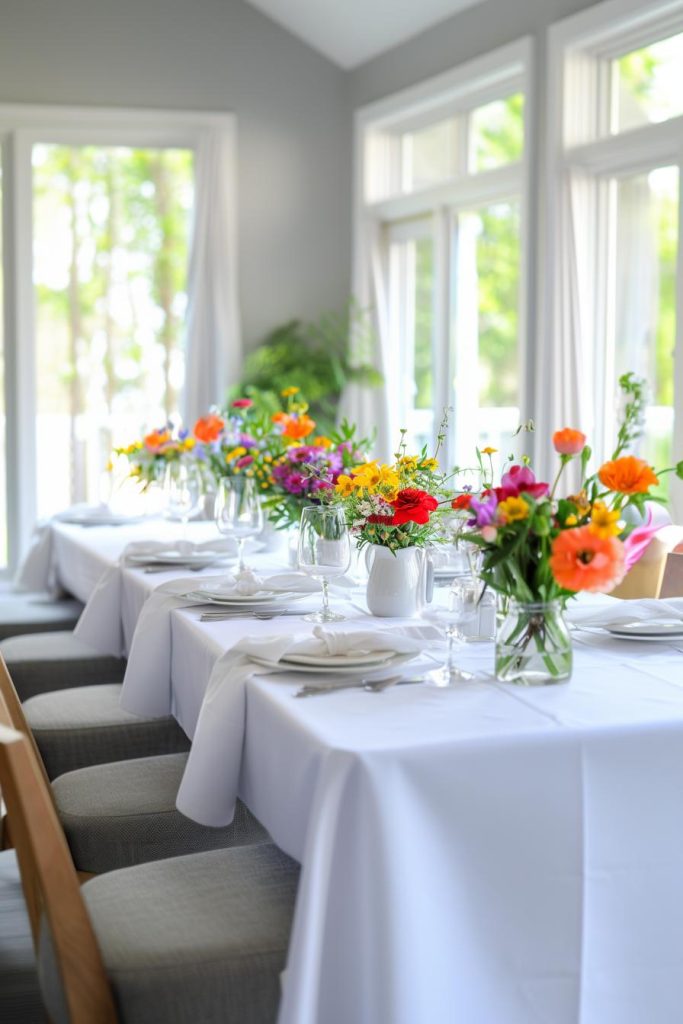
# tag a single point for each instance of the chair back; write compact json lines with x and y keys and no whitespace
{"x":49,"y":880}
{"x":17,"y":719}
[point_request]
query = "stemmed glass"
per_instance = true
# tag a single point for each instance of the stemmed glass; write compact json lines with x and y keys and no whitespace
{"x":184,"y":489}
{"x":324,"y":552}
{"x":460,"y":608}
{"x":238,"y":512}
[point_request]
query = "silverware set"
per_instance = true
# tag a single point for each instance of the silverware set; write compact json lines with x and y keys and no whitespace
{"x":248,"y":613}
{"x":370,"y":684}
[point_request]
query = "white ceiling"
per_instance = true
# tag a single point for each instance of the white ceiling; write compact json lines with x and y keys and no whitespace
{"x":351,"y":31}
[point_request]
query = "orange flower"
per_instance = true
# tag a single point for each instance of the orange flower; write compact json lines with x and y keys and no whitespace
{"x":294,"y":427}
{"x":208,"y":428}
{"x":580,"y":560}
{"x":157,"y":439}
{"x":568,"y":441}
{"x":627,"y":475}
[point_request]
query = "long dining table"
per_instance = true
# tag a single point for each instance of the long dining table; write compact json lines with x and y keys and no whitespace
{"x":485,"y":854}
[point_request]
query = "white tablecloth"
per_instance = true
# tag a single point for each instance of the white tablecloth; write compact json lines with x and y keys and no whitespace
{"x":485,"y":855}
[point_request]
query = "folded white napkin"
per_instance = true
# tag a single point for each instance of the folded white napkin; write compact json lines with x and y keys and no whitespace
{"x":614,"y":612}
{"x":208,"y":791}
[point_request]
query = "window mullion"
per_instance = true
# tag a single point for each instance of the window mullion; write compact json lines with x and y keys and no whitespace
{"x":441,"y":349}
{"x":677,"y":447}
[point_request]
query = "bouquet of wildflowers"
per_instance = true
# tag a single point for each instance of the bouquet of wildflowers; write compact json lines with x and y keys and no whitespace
{"x":149,"y":457}
{"x":393,"y":505}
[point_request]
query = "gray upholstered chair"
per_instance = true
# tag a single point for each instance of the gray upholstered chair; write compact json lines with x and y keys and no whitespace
{"x":22,"y":613}
{"x":121,"y":813}
{"x":44,"y":662}
{"x":193,"y":938}
{"x":87,"y":726}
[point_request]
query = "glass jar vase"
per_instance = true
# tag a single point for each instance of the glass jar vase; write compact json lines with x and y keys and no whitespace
{"x":533,"y":645}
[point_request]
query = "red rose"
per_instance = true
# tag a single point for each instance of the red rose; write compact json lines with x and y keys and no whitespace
{"x":413,"y":506}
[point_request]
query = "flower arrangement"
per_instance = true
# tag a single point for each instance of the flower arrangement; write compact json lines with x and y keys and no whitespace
{"x":393,"y":505}
{"x":539,"y":548}
{"x":148,"y":457}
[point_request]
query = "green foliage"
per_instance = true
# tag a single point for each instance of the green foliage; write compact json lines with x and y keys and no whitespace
{"x":316,"y":357}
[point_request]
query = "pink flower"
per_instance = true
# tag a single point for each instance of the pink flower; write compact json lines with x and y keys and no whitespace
{"x":242,"y":403}
{"x":639,"y":539}
{"x":520,"y":480}
{"x":489,"y":533}
{"x":246,"y":460}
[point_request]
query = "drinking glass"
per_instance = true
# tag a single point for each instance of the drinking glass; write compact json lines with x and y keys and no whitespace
{"x":324,"y":552}
{"x":460,"y":608}
{"x":184,"y":490}
{"x":238,"y":512}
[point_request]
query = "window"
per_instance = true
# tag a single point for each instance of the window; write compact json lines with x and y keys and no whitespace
{"x":111,"y":232}
{"x":105,"y":305}
{"x":443,"y":172}
{"x":620,"y":166}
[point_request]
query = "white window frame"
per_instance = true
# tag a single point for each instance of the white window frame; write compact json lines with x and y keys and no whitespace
{"x":579,"y":51}
{"x":21,"y":127}
{"x":499,"y":73}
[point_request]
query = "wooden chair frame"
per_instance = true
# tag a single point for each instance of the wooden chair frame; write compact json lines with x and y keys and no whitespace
{"x":49,"y":880}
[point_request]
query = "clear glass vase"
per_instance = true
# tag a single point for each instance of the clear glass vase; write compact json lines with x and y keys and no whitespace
{"x":533,"y":645}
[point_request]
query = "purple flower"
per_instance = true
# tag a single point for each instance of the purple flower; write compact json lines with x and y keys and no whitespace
{"x":182,"y":434}
{"x":484,"y":511}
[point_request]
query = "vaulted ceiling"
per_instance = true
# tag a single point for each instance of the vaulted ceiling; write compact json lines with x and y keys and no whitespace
{"x":350,"y":32}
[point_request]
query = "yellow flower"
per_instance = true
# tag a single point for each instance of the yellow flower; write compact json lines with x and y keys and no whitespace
{"x":408,"y":462}
{"x":188,"y":444}
{"x":571,"y":521}
{"x":431,"y":465}
{"x":604,"y":523}
{"x":514,"y":509}
{"x":322,"y":442}
{"x":288,"y":392}
{"x":345,"y":485}
{"x":268,"y":458}
{"x":236,"y":453}
{"x":110,"y":465}
{"x":489,"y":451}
{"x":388,"y":479}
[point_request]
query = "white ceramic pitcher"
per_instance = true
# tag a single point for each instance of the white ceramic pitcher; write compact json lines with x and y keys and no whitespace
{"x":396,"y":581}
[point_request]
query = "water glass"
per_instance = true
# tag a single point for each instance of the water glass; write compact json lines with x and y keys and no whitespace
{"x":238,"y":512}
{"x":459,"y":609}
{"x":324,"y":552}
{"x":184,"y":490}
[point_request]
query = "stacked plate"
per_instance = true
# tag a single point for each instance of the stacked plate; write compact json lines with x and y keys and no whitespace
{"x":651,"y":632}
{"x":341,"y":664}
{"x":180,"y":559}
{"x":232,"y":599}
{"x":97,"y":516}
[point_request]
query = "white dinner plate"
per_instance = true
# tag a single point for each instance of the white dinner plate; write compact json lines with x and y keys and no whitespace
{"x":345,"y":670}
{"x":649,"y":631}
{"x":341,"y":660}
{"x":245,"y":600}
{"x":178,"y":558}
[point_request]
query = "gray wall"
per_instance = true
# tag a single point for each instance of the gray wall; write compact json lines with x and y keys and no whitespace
{"x":469,"y":34}
{"x":218,"y":55}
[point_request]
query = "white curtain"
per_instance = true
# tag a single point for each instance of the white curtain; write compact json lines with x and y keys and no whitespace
{"x":565,"y":364}
{"x":213,"y":346}
{"x":372,"y":409}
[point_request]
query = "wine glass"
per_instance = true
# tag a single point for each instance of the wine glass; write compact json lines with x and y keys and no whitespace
{"x":238,"y":512}
{"x":460,"y":607}
{"x":184,"y":490}
{"x":324,"y":552}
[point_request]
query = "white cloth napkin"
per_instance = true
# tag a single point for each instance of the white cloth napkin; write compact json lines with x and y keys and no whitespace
{"x":247,"y":584}
{"x":208,"y":791}
{"x":614,"y":612}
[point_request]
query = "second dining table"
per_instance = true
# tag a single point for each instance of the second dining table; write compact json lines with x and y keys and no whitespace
{"x":474,"y":855}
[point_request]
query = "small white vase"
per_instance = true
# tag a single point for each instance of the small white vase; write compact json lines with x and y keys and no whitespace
{"x":396,"y":581}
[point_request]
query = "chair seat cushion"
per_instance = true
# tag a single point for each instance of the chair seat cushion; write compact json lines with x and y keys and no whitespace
{"x":198,"y":938}
{"x":121,"y":814}
{"x":44,"y":662}
{"x":22,"y":613}
{"x":20,"y":998}
{"x":87,"y":725}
